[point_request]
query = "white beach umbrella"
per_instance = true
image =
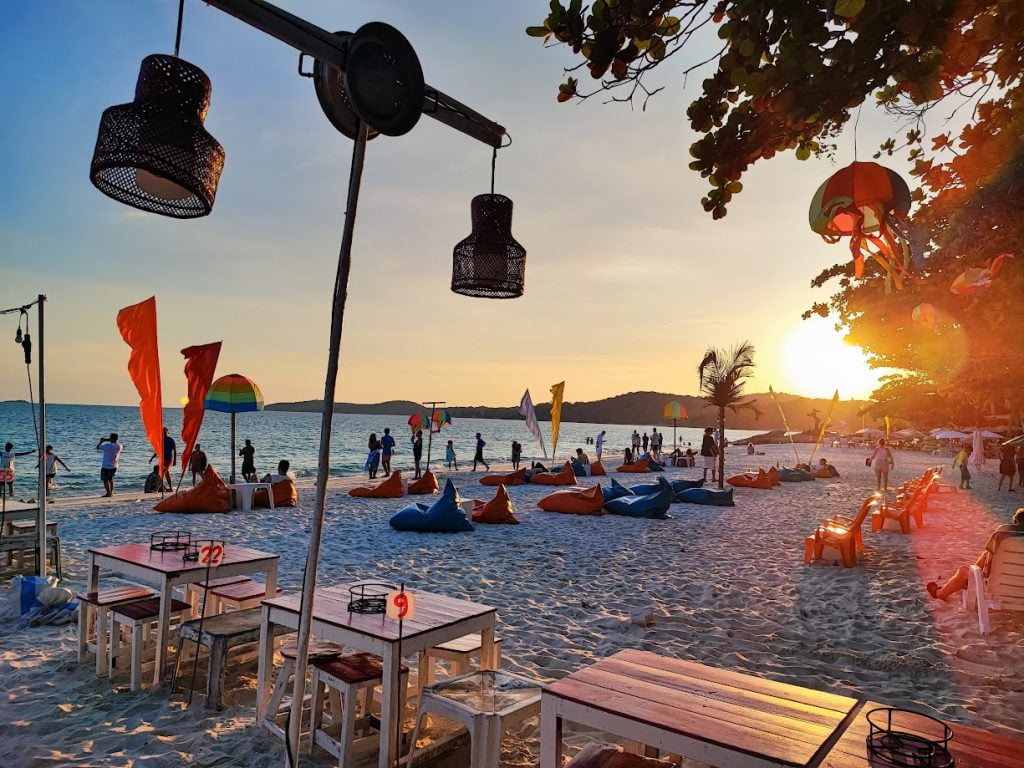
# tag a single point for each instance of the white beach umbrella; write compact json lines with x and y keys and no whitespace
{"x":978,"y":451}
{"x":949,"y":434}
{"x":988,"y":434}
{"x":908,"y":434}
{"x":869,"y":432}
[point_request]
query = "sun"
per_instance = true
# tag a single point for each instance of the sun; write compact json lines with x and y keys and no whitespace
{"x":816,"y":362}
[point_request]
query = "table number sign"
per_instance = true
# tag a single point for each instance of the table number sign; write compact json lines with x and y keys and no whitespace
{"x":401,"y":606}
{"x":211,"y":553}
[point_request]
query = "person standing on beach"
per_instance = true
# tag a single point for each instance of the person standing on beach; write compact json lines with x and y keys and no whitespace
{"x":449,"y":456}
{"x":387,"y":445}
{"x":111,"y":450}
{"x":599,"y":445}
{"x":248,"y":454}
{"x":417,"y":452}
{"x":881,"y":461}
{"x":517,"y":452}
{"x":709,"y":450}
{"x":197,"y":463}
{"x":7,"y":456}
{"x":373,"y":457}
{"x":168,"y":460}
{"x":478,"y":457}
{"x":1007,"y":466}
{"x":635,"y":442}
{"x":644,"y":442}
{"x":1020,"y":465}
{"x":961,"y":461}
{"x":52,"y":460}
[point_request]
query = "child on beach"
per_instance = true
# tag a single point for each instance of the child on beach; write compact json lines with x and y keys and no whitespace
{"x":417,"y":452}
{"x":7,"y":456}
{"x":449,"y":456}
{"x":961,"y":461}
{"x":517,"y":452}
{"x":373,"y":457}
{"x":478,"y":457}
{"x":52,"y":460}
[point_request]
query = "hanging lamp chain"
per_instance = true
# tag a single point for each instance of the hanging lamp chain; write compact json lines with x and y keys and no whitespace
{"x":177,"y":35}
{"x":494,"y":162}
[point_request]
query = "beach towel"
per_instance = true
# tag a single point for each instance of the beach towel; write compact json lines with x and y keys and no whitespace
{"x":578,"y":501}
{"x":497,"y":511}
{"x":40,"y":600}
{"x":211,"y":495}
{"x":443,"y":516}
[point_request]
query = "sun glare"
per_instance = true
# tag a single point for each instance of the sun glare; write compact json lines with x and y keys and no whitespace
{"x":816,"y":362}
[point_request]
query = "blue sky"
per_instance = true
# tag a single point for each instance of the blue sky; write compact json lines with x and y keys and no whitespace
{"x":628,"y":280}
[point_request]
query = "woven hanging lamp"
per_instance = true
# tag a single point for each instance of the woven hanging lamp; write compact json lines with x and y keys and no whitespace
{"x":154,"y":153}
{"x":490,"y":264}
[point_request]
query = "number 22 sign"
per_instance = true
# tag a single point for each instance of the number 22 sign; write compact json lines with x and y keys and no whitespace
{"x":211,"y":554}
{"x":401,"y":606}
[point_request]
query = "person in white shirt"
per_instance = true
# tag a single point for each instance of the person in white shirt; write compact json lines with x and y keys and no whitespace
{"x":7,"y":456}
{"x":52,"y":460}
{"x":599,"y":445}
{"x":282,"y":473}
{"x":111,"y":450}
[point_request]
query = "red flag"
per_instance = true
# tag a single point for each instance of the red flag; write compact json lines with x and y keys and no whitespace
{"x":200,"y":363}
{"x":137,"y":324}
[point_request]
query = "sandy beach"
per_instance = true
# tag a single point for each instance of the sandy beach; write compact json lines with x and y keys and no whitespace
{"x":726,"y":586}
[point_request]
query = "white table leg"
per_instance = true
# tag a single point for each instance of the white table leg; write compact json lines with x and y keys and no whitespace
{"x":266,"y":661}
{"x":246,"y":499}
{"x":163,"y":624}
{"x":270,"y":494}
{"x":550,"y":734}
{"x":389,"y":714}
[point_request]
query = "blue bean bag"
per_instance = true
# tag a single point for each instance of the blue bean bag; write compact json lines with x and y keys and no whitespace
{"x":652,"y":505}
{"x":787,"y":475}
{"x":580,"y":470}
{"x":711,"y":496}
{"x":679,"y":485}
{"x":443,"y":516}
{"x":645,"y":489}
{"x":615,"y":490}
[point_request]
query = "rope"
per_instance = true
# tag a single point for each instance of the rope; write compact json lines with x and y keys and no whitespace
{"x":177,"y":35}
{"x":494,"y":162}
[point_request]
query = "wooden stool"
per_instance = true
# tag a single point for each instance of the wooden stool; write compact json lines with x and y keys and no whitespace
{"x":609,"y":756}
{"x":92,"y":635}
{"x":459,"y":652}
{"x":280,"y":699}
{"x":138,"y":620}
{"x":485,"y":702}
{"x":342,"y":679}
{"x":238,"y":597}
{"x":220,"y":634}
{"x":193,"y":592}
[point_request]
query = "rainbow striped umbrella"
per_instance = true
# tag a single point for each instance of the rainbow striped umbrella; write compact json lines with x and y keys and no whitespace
{"x":673,"y":410}
{"x":234,"y":394}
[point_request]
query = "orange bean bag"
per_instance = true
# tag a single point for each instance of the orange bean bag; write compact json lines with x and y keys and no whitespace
{"x":565,"y":476}
{"x":512,"y":478}
{"x":285,"y":495}
{"x":822,"y":472}
{"x":750,"y":480}
{"x":637,"y":466}
{"x":426,"y":484}
{"x":773,"y":475}
{"x":589,"y":501}
{"x":211,"y":495}
{"x":389,"y":489}
{"x":597,"y":469}
{"x":498,"y":510}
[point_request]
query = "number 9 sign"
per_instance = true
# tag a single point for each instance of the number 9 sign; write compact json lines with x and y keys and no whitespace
{"x":211,"y":554}
{"x":401,"y":606}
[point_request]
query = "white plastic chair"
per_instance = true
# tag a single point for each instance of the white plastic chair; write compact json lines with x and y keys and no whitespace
{"x":1003,"y":590}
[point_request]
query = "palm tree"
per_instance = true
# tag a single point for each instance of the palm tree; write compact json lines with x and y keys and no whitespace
{"x":722,"y":376}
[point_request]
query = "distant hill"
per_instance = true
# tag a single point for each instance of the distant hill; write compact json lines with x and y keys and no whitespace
{"x":637,"y":408}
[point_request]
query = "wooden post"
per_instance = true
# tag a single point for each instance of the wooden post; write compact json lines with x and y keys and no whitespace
{"x":41,"y":494}
{"x":232,"y":447}
{"x":324,"y":457}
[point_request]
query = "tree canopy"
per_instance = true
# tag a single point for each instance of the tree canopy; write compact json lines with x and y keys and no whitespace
{"x":787,"y":75}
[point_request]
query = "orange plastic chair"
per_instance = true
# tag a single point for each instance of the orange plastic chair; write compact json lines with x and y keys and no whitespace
{"x":426,"y":484}
{"x":389,"y":489}
{"x":909,"y":504}
{"x":512,"y":478}
{"x":842,"y":533}
{"x":576,"y":502}
{"x":565,"y":476}
{"x":496,"y":511}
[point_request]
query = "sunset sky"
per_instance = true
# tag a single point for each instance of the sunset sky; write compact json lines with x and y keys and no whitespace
{"x":628,"y":280}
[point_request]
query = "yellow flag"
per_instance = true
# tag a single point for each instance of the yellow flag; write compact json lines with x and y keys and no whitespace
{"x":824,"y":425}
{"x":556,"y":414}
{"x":785,"y":423}
{"x":888,"y":426}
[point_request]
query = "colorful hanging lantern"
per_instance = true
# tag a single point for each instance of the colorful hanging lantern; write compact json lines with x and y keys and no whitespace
{"x":438,"y":419}
{"x":417,"y":421}
{"x":975,"y":281}
{"x":869,"y":204}
{"x":925,"y":314}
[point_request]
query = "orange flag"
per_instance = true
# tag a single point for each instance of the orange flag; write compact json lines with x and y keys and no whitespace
{"x":200,"y":363}
{"x":137,"y":324}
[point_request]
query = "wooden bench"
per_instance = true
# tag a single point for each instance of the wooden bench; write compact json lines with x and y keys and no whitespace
{"x":239,"y":596}
{"x":135,"y":622}
{"x":20,"y":553}
{"x":609,"y":756}
{"x":100,"y":603}
{"x":459,"y":653}
{"x":220,"y":634}
{"x":193,"y":592}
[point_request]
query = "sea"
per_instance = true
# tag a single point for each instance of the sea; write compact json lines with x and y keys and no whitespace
{"x":74,"y":430}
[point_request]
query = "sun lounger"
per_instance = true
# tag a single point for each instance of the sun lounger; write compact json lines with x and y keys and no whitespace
{"x":1003,"y":588}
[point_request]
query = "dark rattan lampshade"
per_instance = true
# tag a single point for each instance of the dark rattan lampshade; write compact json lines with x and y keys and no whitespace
{"x":490,"y":264}
{"x":154,"y":153}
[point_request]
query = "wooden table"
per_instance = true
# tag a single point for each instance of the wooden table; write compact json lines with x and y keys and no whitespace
{"x":716,"y":716}
{"x":970,"y":747}
{"x":166,"y":570}
{"x":438,"y":620}
{"x":245,"y":492}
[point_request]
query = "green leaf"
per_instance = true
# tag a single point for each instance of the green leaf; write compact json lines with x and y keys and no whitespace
{"x":849,"y":8}
{"x":538,"y":31}
{"x":656,"y":50}
{"x":802,"y":153}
